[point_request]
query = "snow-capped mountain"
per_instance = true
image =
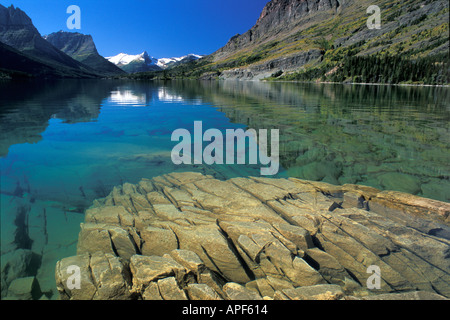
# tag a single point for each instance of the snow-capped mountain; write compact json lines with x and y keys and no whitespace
{"x":135,"y":63}
{"x":144,"y":62}
{"x":166,"y":62}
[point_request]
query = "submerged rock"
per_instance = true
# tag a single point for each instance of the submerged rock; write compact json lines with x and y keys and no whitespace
{"x":400,"y":181}
{"x":24,"y":289}
{"x":318,"y":292}
{"x":17,"y":264}
{"x":190,"y":236}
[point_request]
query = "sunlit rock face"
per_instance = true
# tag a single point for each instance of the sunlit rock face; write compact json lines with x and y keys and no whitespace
{"x":190,"y":236}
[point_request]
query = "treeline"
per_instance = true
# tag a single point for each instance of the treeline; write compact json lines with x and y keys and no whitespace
{"x":394,"y":69}
{"x":433,"y":70}
{"x":190,"y":70}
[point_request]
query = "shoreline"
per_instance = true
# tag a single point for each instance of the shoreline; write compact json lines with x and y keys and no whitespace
{"x":238,"y":80}
{"x":356,"y":83}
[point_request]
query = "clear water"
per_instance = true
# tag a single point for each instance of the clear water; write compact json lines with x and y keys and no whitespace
{"x":65,"y":143}
{"x":390,"y":138}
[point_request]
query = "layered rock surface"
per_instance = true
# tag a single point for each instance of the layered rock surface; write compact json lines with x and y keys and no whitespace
{"x":191,"y":236}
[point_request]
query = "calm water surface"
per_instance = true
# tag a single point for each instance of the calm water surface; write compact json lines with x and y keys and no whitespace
{"x":65,"y":143}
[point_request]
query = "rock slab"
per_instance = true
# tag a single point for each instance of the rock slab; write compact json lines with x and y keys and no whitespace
{"x":191,"y":236}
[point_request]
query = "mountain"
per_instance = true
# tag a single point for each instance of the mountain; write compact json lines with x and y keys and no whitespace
{"x":165,"y":63}
{"x":329,"y":40}
{"x":135,"y":63}
{"x":143,"y":62}
{"x":82,"y":48}
{"x":15,"y":64}
{"x":17,"y":31}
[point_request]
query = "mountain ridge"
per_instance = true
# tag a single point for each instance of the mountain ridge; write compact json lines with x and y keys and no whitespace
{"x":302,"y":40}
{"x":321,"y":40}
{"x":134,"y":63}
{"x":144,"y":62}
{"x":17,"y":31}
{"x":82,"y":48}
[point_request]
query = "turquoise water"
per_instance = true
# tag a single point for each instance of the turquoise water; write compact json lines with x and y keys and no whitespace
{"x":65,"y":143}
{"x":85,"y":149}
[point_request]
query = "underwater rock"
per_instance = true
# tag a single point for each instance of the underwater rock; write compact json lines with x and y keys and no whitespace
{"x":416,"y":295}
{"x":191,"y":236}
{"x":436,"y":188}
{"x":24,"y":289}
{"x":318,"y":292}
{"x":17,"y":264}
{"x":400,"y":181}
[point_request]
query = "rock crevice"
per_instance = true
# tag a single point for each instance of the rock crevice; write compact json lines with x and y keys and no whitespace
{"x":191,"y":236}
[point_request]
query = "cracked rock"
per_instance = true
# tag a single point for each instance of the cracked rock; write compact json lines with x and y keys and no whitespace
{"x":191,"y":236}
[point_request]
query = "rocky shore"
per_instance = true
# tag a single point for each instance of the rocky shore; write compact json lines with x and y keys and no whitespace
{"x":191,"y":236}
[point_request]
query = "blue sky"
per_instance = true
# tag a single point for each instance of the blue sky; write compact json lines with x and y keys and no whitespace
{"x":164,"y":28}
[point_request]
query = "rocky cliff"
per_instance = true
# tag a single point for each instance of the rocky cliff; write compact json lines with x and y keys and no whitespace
{"x":280,"y":16}
{"x":190,"y":236}
{"x":82,"y":48}
{"x":301,"y":35}
{"x":18,"y":32}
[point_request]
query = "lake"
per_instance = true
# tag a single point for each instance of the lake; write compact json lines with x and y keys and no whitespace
{"x":65,"y":143}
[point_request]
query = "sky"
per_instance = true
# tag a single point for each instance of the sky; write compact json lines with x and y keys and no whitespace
{"x":163,"y":28}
